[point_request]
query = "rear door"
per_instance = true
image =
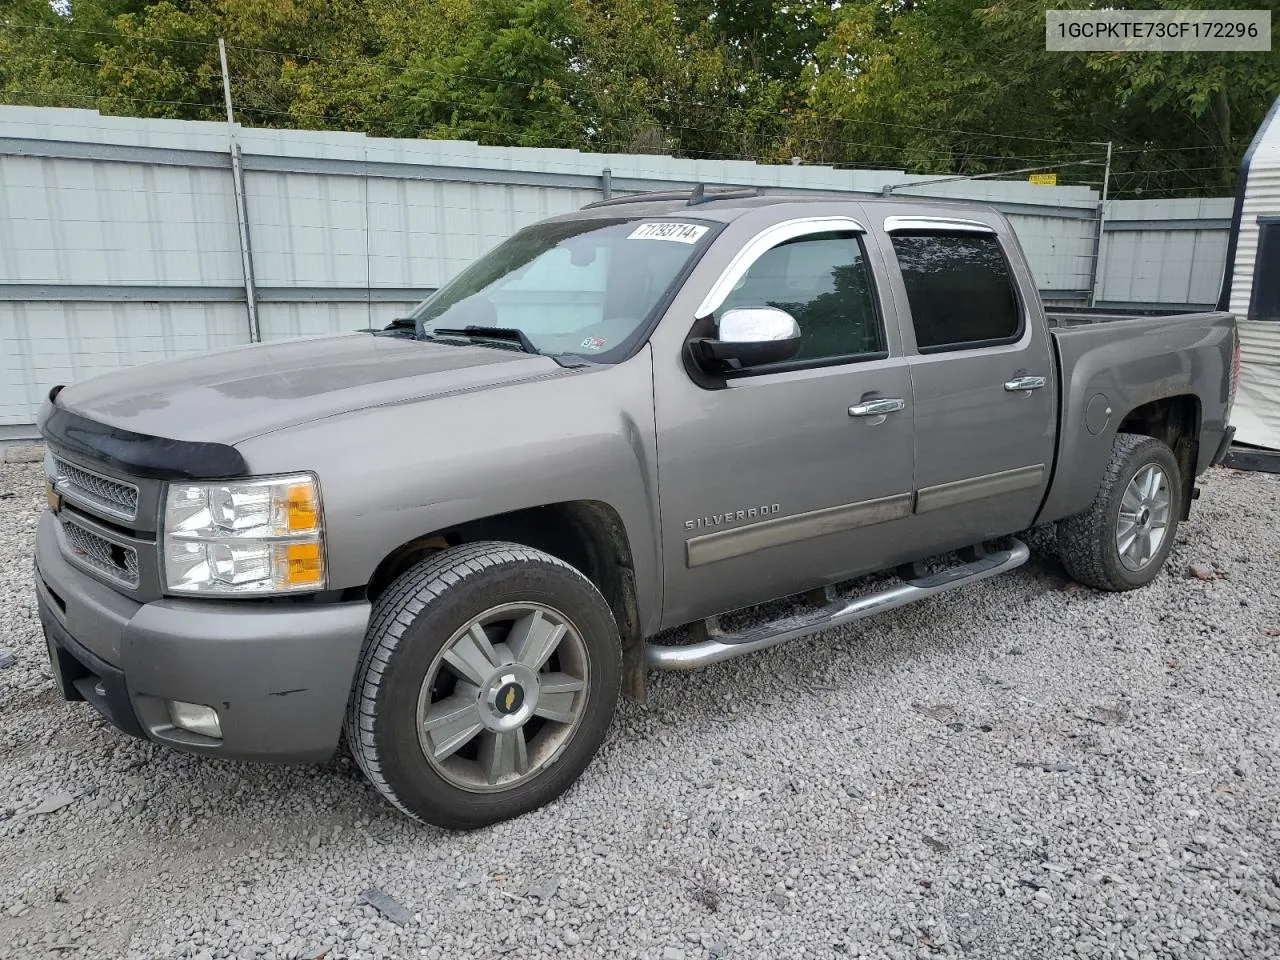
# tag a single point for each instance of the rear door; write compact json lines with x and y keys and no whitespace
{"x":982,"y":379}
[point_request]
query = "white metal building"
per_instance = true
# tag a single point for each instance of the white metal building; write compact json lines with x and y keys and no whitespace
{"x":119,"y":241}
{"x":120,"y":237}
{"x":1251,"y":287}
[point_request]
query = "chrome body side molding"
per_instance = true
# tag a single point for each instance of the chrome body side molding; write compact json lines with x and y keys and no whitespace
{"x":978,"y":488}
{"x":723,"y":544}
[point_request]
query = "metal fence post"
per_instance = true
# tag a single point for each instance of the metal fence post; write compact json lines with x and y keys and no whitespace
{"x":242,"y":210}
{"x":1095,"y":266}
{"x":606,"y":183}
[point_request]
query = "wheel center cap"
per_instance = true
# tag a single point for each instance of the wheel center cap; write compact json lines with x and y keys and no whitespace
{"x":509,"y":697}
{"x":1144,"y":517}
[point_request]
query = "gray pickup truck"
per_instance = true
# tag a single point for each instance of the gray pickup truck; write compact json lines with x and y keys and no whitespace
{"x":459,"y":538}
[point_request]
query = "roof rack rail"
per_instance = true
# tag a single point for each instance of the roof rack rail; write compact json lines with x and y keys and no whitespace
{"x":692,"y":198}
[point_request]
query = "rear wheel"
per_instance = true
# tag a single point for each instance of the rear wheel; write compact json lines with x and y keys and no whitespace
{"x":489,"y":677}
{"x":1122,"y":541}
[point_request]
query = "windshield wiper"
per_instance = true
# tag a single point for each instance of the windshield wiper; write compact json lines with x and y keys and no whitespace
{"x":501,"y":334}
{"x":505,"y":335}
{"x":394,"y":328}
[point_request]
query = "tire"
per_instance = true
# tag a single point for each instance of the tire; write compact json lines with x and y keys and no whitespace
{"x":424,"y":625}
{"x":1089,"y":543}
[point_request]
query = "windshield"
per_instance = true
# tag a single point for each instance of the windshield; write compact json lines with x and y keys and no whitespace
{"x":584,"y":287}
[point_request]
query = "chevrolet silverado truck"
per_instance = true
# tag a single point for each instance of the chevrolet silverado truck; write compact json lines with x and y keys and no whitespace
{"x":455,"y":541}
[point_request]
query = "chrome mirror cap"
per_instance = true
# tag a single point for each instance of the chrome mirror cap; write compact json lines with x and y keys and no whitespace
{"x":748,"y":337}
{"x":757,"y":325}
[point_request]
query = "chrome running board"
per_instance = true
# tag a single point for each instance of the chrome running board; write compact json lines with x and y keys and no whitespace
{"x":714,"y":645}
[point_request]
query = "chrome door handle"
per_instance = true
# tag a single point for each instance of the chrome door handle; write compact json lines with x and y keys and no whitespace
{"x":877,"y":408}
{"x":1018,"y":384}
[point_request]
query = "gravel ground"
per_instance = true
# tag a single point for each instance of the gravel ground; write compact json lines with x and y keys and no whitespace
{"x":1022,"y":769}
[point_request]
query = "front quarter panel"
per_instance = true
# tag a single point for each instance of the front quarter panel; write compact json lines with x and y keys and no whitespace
{"x":394,"y":473}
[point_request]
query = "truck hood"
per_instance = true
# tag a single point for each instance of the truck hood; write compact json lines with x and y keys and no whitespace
{"x":232,"y":395}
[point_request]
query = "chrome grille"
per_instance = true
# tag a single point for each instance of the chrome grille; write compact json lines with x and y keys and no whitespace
{"x":113,"y":498}
{"x":114,"y":559}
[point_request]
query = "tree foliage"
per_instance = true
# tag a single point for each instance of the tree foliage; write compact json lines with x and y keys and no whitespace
{"x":932,"y":86}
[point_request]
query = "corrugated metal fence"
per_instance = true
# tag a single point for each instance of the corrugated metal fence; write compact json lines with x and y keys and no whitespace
{"x":120,"y":242}
{"x":1160,"y":252}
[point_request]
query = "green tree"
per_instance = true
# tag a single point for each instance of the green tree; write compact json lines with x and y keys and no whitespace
{"x":504,"y":76}
{"x":675,"y":76}
{"x":933,"y":86}
{"x":41,"y":61}
{"x":896,"y":85}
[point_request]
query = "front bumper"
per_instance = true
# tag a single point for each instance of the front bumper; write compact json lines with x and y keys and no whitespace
{"x":279,"y":674}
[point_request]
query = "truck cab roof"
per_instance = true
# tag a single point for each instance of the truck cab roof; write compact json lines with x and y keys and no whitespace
{"x":725,"y":206}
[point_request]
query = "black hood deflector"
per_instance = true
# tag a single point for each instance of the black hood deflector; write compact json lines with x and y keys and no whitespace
{"x":138,"y":454}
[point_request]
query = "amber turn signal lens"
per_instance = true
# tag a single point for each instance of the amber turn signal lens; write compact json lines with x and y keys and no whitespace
{"x":303,"y":511}
{"x":304,"y":564}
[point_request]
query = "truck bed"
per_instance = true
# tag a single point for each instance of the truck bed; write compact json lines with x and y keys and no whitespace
{"x":1088,"y":316}
{"x":1123,"y":366}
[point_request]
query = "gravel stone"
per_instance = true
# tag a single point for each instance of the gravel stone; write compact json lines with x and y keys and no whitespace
{"x":388,"y":906}
{"x":16,"y":452}
{"x":53,"y":803}
{"x":1201,"y":571}
{"x":1114,"y":792}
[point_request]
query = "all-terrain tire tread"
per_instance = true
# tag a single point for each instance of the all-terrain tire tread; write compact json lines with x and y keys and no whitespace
{"x":1083,"y":538}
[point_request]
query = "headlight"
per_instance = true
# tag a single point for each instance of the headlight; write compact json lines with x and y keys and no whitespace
{"x":244,"y":537}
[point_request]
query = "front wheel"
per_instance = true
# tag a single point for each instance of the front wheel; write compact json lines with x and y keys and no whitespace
{"x":1122,"y":541}
{"x":489,"y":677}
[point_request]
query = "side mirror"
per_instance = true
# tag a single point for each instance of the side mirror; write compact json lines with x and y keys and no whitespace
{"x":750,"y":337}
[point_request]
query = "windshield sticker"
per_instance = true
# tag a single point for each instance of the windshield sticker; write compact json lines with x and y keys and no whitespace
{"x":593,"y":343}
{"x":679,"y":232}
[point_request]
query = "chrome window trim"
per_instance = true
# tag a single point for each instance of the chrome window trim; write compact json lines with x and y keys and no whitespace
{"x":892,"y":224}
{"x":761,"y":243}
{"x":1027,"y":331}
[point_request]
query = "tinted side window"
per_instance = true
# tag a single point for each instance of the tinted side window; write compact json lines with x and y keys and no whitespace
{"x":959,"y":290}
{"x":1264,"y":303}
{"x":824,"y":282}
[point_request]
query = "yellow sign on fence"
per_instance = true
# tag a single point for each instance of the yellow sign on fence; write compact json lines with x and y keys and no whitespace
{"x":1044,"y":179}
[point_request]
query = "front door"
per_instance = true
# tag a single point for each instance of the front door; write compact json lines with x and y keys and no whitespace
{"x":779,"y":479}
{"x":982,"y":380}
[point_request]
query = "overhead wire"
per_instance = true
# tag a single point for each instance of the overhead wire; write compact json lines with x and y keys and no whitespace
{"x":667,"y":126}
{"x":116,"y":35}
{"x":1139,"y":173}
{"x":1208,"y":192}
{"x":913,"y":156}
{"x":720,"y":108}
{"x":99,"y":97}
{"x":365,"y":62}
